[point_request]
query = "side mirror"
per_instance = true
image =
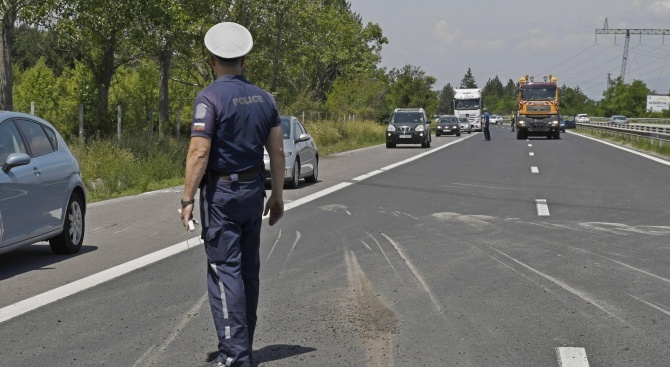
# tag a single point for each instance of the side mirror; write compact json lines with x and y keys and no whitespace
{"x":15,"y":160}
{"x":304,"y":137}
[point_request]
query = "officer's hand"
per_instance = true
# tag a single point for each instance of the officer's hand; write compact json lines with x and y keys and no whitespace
{"x":186,"y":215}
{"x":275,"y":206}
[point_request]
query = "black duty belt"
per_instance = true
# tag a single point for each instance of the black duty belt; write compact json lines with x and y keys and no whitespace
{"x":248,"y":175}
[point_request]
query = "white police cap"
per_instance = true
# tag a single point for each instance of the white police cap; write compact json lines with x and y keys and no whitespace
{"x":229,"y":40}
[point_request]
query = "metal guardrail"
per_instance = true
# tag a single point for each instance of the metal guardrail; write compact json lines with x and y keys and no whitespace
{"x":654,"y":133}
{"x":636,"y":120}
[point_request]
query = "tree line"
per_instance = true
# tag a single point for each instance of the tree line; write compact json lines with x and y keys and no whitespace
{"x":148,"y":57}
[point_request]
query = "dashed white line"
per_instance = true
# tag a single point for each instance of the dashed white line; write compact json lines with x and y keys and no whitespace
{"x":572,"y":357}
{"x":534,"y":169}
{"x":542,"y":207}
{"x":531,"y":154}
{"x":530,"y":145}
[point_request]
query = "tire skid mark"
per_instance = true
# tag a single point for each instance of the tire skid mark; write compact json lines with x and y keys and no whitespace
{"x":576,"y":292}
{"x":652,"y":305}
{"x":288,"y":256}
{"x":376,"y":322}
{"x":273,"y":246}
{"x":151,"y":356}
{"x":666,"y":280}
{"x":414,"y":272}
{"x":511,"y":268}
{"x":367,"y":246}
{"x":387,"y":258}
{"x":334,"y":207}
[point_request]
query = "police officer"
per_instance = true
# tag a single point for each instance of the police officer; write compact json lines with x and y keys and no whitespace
{"x":232,"y":121}
{"x":485,"y":122}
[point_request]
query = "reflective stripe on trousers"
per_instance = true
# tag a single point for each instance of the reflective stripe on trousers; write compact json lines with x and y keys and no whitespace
{"x":231,"y":213}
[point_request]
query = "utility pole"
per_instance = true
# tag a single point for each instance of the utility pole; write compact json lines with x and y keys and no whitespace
{"x":628,"y":32}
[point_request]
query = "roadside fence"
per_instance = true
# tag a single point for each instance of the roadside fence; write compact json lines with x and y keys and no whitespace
{"x":632,"y":132}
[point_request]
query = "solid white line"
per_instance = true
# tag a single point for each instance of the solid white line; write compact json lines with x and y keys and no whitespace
{"x":572,"y":357}
{"x":530,"y":145}
{"x":534,"y":169}
{"x":542,"y":207}
{"x":531,"y":154}
{"x":394,"y":165}
{"x":659,"y":160}
{"x":367,"y":175}
{"x":56,"y":294}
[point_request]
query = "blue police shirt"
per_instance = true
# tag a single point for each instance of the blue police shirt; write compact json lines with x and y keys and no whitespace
{"x":486,"y":118}
{"x":237,"y":116}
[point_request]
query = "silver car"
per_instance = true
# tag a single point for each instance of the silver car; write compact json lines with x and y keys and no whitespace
{"x":42,"y":196}
{"x":465,"y":124}
{"x":302,"y":156}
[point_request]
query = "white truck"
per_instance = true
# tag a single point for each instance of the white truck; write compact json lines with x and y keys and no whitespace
{"x":468,"y":104}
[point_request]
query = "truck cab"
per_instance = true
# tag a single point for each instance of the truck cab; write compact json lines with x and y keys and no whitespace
{"x":538,"y":108}
{"x":468,"y":104}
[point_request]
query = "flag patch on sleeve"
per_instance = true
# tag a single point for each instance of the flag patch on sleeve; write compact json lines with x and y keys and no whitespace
{"x":198,"y":126}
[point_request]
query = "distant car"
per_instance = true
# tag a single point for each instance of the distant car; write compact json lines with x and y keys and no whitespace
{"x":496,"y":119}
{"x":465,"y":125}
{"x":618,"y":120}
{"x":302,"y":155}
{"x":570,"y":124}
{"x":561,"y":124}
{"x":582,"y":118}
{"x":408,"y":126}
{"x":42,"y":195}
{"x":448,"y":125}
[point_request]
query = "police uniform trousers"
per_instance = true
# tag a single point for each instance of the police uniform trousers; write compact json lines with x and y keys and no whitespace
{"x":231,"y":213}
{"x":487,"y":132}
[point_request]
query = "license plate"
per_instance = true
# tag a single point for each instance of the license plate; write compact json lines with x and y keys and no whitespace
{"x":405,"y":136}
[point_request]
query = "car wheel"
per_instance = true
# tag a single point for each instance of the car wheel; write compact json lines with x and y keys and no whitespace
{"x":519,"y":135}
{"x":315,"y":172}
{"x":293,"y":184}
{"x":458,"y":134}
{"x":390,"y":145}
{"x":557,"y":135}
{"x":436,"y":134}
{"x":72,"y":237}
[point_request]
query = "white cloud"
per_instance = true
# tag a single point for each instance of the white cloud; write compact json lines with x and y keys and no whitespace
{"x":480,"y":45}
{"x":660,"y":7}
{"x":442,"y":32}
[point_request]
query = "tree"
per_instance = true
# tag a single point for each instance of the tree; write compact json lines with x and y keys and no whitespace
{"x":624,"y":99}
{"x":468,"y":80}
{"x":411,"y":87}
{"x":446,"y":101}
{"x":362,"y":95}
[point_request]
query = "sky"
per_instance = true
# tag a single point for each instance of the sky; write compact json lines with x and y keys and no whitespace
{"x":513,"y":38}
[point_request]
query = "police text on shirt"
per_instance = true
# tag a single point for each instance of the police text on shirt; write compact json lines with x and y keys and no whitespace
{"x":247,"y":100}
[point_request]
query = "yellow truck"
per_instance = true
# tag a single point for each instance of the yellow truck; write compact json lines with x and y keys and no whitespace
{"x":538,"y":112}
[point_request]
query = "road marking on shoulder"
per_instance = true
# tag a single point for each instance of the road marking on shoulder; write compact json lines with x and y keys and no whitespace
{"x":531,"y":154}
{"x":534,"y":169}
{"x":32,"y":303}
{"x":542,"y":207}
{"x":655,"y":159}
{"x":572,"y":357}
{"x":367,"y":175}
{"x":530,"y":145}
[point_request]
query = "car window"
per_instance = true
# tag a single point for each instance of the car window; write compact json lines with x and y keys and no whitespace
{"x":10,"y":141}
{"x":445,"y":120}
{"x":286,"y":127}
{"x":38,"y":141}
{"x":408,"y":117}
{"x":51,"y":135}
{"x":302,"y":128}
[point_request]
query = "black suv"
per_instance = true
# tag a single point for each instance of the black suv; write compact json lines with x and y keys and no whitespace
{"x":408,"y":126}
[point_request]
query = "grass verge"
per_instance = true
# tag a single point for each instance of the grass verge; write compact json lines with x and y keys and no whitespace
{"x":141,"y":164}
{"x":643,"y":144}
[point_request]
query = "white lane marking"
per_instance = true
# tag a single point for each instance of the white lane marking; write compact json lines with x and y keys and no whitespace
{"x":367,"y":175}
{"x":485,"y":187}
{"x":542,"y":207}
{"x":531,"y":154}
{"x":19,"y":308}
{"x":534,"y":169}
{"x":530,"y":145}
{"x":32,"y":303}
{"x":572,"y":357}
{"x":659,"y":160}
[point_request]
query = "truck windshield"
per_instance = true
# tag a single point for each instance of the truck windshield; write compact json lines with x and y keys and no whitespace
{"x":538,"y":94}
{"x":467,"y":104}
{"x":408,"y":117}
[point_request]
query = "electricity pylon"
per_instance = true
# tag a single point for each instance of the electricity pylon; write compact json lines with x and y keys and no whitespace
{"x":628,"y":32}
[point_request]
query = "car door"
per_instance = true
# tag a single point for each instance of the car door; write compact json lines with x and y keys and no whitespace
{"x":56,"y":167}
{"x":20,"y":189}
{"x":308,"y":151}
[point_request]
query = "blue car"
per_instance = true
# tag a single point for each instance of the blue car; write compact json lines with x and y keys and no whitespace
{"x":42,"y":195}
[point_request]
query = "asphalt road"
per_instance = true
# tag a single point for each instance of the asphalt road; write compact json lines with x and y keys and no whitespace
{"x":477,"y":254}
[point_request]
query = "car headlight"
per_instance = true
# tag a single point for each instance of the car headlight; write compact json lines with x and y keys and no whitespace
{"x":439,"y":127}
{"x":555,"y":123}
{"x":420,"y":128}
{"x":390,"y":128}
{"x":522,"y":123}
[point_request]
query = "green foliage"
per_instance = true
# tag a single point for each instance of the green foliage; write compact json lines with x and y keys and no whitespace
{"x":335,"y":136}
{"x":362,"y":95}
{"x":468,"y":80}
{"x":624,"y":99}
{"x":574,"y":101}
{"x":139,"y":165}
{"x":411,"y":87}
{"x":446,"y":100}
